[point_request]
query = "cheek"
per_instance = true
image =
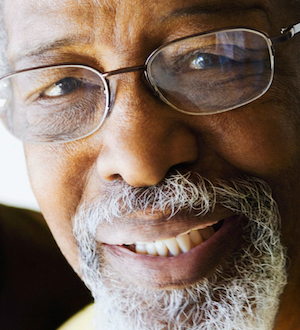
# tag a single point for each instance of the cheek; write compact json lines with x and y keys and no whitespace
{"x":258,"y":145}
{"x":57,"y":180}
{"x":50,"y":176}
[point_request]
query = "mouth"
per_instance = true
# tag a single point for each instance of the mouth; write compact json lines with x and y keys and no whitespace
{"x":175,"y":246}
{"x":177,"y":261}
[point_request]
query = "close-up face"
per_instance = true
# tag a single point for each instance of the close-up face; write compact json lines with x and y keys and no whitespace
{"x":155,"y":189}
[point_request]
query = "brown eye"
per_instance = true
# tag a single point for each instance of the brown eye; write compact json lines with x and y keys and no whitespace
{"x":63,"y":87}
{"x":207,"y":61}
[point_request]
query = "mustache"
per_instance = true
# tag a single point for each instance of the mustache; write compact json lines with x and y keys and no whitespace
{"x":179,"y":192}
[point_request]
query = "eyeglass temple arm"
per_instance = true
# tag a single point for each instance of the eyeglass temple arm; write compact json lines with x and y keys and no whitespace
{"x":287,"y":33}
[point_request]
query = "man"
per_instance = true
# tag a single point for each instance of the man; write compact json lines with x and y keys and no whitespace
{"x":164,"y":183}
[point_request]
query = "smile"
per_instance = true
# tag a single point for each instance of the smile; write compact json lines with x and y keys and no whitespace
{"x":175,"y":246}
{"x":186,"y":258}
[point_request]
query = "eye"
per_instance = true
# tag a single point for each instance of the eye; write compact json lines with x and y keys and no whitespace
{"x":207,"y":61}
{"x":63,"y":87}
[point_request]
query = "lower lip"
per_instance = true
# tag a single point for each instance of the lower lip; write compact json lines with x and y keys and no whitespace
{"x":183,"y":270}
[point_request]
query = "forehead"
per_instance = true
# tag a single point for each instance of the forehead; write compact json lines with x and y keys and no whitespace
{"x":119,"y":26}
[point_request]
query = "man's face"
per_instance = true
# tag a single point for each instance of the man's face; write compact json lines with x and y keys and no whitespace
{"x":143,"y":140}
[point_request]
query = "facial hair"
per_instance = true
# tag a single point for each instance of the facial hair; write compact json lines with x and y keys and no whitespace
{"x":241,"y":294}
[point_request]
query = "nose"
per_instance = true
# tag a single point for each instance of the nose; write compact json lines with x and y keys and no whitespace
{"x":142,"y":138}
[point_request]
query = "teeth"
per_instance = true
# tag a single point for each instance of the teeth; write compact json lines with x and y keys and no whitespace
{"x":140,"y":248}
{"x":176,"y":245}
{"x":184,"y":242}
{"x":207,"y":232}
{"x":195,"y":237}
{"x":151,"y":249}
{"x":161,"y":248}
{"x":173,"y":246}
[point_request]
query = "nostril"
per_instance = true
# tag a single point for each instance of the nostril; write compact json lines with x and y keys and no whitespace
{"x":182,"y":167}
{"x":113,"y":177}
{"x":117,"y":177}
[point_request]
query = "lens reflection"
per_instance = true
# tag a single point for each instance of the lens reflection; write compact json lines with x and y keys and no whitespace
{"x":212,"y":73}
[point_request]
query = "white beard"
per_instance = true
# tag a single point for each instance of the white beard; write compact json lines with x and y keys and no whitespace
{"x":242,"y":294}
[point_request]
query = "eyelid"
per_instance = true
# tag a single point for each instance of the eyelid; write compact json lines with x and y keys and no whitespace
{"x":39,"y":83}
{"x":58,"y":85}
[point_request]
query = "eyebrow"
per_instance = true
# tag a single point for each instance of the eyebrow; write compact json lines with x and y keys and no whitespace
{"x":195,"y":10}
{"x":213,"y":8}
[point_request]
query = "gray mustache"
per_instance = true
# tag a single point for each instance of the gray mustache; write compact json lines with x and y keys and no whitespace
{"x":188,"y":192}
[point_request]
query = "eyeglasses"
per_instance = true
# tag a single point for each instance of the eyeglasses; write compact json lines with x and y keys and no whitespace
{"x":202,"y":74}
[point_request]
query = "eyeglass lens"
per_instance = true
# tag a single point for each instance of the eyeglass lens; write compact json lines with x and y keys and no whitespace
{"x":212,"y":73}
{"x":202,"y":74}
{"x":54,"y":104}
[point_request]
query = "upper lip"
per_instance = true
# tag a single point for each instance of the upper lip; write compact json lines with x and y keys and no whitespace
{"x":149,"y":229}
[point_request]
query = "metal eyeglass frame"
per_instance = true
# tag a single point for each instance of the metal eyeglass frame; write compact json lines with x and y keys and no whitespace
{"x":286,"y":34}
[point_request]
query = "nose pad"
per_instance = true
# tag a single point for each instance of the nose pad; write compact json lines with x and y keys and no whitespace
{"x":112,"y":85}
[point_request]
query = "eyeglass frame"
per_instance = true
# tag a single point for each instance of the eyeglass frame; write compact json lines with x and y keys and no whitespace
{"x":286,"y":34}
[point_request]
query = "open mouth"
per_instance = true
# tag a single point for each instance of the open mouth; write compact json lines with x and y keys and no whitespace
{"x":179,"y":267}
{"x":175,"y":246}
{"x":168,"y":268}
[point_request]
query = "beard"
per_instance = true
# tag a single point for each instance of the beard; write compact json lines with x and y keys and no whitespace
{"x":242,"y":293}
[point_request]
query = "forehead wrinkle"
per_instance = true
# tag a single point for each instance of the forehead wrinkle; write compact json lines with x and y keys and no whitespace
{"x":53,"y":35}
{"x":127,"y":25}
{"x":132,"y":26}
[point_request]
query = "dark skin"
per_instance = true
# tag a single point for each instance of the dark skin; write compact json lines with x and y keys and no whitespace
{"x":260,"y":139}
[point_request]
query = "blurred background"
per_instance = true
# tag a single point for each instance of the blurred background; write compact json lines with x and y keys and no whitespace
{"x":38,"y":288}
{"x":15,"y":189}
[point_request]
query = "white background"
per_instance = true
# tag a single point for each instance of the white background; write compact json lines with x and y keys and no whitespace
{"x":14,"y":184}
